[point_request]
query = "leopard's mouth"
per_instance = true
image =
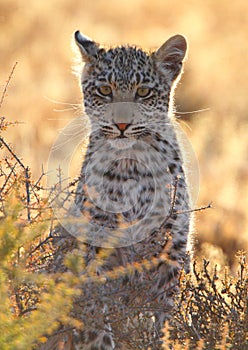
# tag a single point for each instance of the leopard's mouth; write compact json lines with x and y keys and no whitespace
{"x":122,"y":137}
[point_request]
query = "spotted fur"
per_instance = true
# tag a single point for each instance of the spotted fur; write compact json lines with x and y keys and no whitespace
{"x":133,"y":190}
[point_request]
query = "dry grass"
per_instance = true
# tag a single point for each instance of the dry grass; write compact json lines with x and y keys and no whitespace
{"x":38,"y":263}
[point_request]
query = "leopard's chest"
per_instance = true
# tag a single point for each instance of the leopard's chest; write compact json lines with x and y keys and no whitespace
{"x":126,"y":192}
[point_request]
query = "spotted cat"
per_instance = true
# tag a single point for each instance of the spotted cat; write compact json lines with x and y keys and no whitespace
{"x":132,"y":200}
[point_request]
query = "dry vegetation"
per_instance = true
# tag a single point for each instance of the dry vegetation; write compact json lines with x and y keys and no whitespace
{"x":37,"y":35}
{"x":45,"y":286}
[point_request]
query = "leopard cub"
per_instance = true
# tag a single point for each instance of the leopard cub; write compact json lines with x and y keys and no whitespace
{"x":132,"y":201}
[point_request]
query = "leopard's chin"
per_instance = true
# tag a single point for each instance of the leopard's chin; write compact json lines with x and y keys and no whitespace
{"x":121,"y":143}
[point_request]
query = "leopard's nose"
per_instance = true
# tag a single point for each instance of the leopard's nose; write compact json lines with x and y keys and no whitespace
{"x":122,"y":126}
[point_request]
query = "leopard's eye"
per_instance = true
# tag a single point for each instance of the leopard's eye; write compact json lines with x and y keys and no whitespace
{"x":105,"y":90}
{"x":143,"y":92}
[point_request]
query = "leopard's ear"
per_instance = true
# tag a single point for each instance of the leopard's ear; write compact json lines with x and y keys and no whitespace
{"x":171,"y":54}
{"x":88,"y":47}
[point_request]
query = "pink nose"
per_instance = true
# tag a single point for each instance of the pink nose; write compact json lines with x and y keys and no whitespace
{"x":122,"y":126}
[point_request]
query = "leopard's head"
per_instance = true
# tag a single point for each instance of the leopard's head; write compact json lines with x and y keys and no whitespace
{"x":127,"y":90}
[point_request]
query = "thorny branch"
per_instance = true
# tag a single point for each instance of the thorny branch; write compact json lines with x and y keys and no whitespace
{"x":7,"y":84}
{"x":172,"y":209}
{"x":204,"y":207}
{"x":27,"y":175}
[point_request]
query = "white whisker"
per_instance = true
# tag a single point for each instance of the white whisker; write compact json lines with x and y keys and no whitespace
{"x":191,"y":112}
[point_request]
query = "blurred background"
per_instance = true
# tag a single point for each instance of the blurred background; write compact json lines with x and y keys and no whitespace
{"x":45,"y":96}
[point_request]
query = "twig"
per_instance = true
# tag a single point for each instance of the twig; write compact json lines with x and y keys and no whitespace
{"x":26,"y":170}
{"x":7,"y":178}
{"x":209,"y":206}
{"x":40,"y":244}
{"x":22,"y":313}
{"x":172,"y":204}
{"x":36,"y":186}
{"x":41,"y":176}
{"x":12,"y":153}
{"x":7,"y":84}
{"x":27,"y":183}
